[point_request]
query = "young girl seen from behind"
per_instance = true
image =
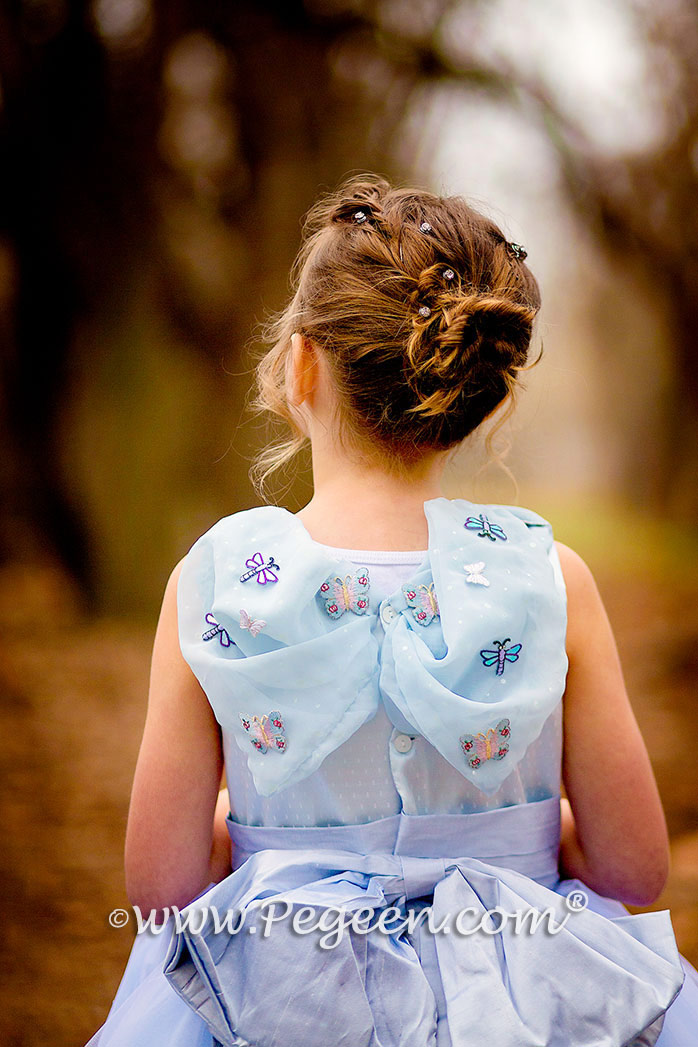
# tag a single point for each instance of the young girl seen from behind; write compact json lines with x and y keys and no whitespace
{"x":395,"y":683}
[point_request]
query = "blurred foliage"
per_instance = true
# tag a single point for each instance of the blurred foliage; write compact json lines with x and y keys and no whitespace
{"x":154,"y":162}
{"x":155,"y":158}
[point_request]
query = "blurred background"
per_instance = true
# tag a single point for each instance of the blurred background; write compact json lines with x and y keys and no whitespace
{"x":156,"y":158}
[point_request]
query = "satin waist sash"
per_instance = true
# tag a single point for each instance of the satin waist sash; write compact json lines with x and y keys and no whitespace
{"x":524,"y":837}
{"x":599,"y":979}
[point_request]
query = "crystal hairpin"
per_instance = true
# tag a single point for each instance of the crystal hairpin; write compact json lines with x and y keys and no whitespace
{"x":425,"y":227}
{"x":449,"y":274}
{"x":517,"y":251}
{"x":424,"y":310}
{"x":360,"y":217}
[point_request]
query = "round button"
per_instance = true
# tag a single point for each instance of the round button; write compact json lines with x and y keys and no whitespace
{"x":403,"y":743}
{"x":388,"y":613}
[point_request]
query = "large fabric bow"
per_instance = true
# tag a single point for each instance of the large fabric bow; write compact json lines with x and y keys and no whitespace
{"x":325,"y":676}
{"x":593,"y":980}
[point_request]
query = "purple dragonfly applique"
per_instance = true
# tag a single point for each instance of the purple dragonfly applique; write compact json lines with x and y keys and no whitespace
{"x":263,"y":571}
{"x":502,"y":655}
{"x":485,"y":528}
{"x":216,"y":630}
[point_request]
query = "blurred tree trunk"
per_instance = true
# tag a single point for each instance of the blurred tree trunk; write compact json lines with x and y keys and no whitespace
{"x":73,"y":211}
{"x":87,"y":198}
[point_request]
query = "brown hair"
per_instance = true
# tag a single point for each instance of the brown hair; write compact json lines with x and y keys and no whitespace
{"x":423,"y":310}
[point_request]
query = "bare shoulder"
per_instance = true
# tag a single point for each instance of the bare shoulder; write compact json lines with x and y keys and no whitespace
{"x":575,"y":569}
{"x":172,"y":581}
{"x":585,"y":609}
{"x":168,"y":612}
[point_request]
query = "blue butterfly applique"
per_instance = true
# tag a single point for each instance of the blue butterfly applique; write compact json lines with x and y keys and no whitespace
{"x":422,"y":601}
{"x":266,"y":732}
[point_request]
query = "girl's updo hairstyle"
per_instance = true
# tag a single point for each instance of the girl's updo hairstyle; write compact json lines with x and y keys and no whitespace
{"x":422,"y":309}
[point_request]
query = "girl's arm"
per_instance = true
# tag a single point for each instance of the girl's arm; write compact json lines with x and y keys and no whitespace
{"x":617,"y":840}
{"x":169,"y":838}
{"x":219,"y":863}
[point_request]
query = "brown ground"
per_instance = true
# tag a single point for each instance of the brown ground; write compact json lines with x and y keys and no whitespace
{"x":73,"y":706}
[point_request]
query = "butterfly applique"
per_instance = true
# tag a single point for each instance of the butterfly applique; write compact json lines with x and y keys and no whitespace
{"x":267,"y":732}
{"x":263,"y":571}
{"x":502,"y":655}
{"x":216,"y":630}
{"x":485,"y":528}
{"x":255,"y":625}
{"x":422,"y":602}
{"x":474,"y":573}
{"x":346,"y":594}
{"x":494,"y":745}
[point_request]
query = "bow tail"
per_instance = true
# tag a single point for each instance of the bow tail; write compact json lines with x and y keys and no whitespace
{"x":282,"y":986}
{"x":557,"y":975}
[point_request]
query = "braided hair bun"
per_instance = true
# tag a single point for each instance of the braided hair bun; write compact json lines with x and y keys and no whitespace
{"x":423,"y":310}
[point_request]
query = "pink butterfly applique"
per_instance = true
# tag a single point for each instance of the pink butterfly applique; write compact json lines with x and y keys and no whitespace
{"x":346,"y":594}
{"x":493,"y":745}
{"x":255,"y":625}
{"x":421,"y":599}
{"x":267,"y":732}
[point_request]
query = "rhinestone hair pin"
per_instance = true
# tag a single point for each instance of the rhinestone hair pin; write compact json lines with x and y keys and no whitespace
{"x":517,"y":251}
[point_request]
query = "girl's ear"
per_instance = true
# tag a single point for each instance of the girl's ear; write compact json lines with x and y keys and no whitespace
{"x":303,"y":370}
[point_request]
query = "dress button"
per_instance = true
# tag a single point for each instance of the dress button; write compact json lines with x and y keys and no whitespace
{"x":403,"y":743}
{"x":388,"y":612}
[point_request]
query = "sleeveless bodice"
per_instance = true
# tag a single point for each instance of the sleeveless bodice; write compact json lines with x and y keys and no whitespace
{"x":380,"y":770}
{"x":361,"y":685}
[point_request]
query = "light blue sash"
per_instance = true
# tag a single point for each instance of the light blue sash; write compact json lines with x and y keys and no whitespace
{"x":596,"y":979}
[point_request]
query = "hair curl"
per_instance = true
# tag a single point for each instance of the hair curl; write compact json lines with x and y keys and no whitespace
{"x":424,"y":314}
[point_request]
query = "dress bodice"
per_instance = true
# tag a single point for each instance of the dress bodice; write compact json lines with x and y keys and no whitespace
{"x":381,"y":770}
{"x":381,"y":708}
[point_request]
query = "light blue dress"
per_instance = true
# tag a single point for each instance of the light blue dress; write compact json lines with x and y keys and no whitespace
{"x":392,"y":729}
